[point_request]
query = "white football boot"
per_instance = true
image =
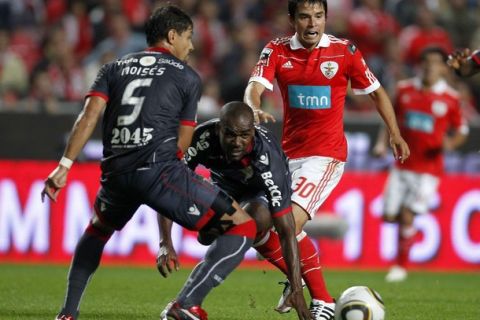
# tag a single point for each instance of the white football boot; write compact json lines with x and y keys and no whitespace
{"x":322,"y":310}
{"x":286,"y":291}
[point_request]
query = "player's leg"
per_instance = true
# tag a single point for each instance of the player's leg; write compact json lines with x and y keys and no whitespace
{"x":394,"y":195}
{"x":110,"y":212}
{"x":313,"y":179}
{"x":421,"y":188}
{"x":194,"y":203}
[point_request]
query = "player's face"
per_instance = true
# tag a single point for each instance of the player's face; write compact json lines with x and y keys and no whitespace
{"x":235,"y":138}
{"x":433,"y":68}
{"x":309,"y":23}
{"x":182,"y":44}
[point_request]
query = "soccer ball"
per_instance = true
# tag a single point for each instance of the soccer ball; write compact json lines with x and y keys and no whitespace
{"x":359,"y":303}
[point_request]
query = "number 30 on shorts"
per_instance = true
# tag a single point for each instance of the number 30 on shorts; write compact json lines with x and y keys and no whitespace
{"x":303,"y":188}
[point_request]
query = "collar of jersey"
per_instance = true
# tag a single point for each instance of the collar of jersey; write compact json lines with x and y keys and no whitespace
{"x":158,"y":49}
{"x":295,"y":43}
{"x":439,"y":87}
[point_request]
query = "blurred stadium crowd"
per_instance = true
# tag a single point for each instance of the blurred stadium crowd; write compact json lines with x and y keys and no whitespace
{"x":50,"y":50}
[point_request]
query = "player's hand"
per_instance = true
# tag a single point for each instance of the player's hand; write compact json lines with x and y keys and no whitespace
{"x":167,"y":260}
{"x":261,"y":116}
{"x":458,"y":58}
{"x":56,"y":180}
{"x":296,"y":300}
{"x":400,"y":148}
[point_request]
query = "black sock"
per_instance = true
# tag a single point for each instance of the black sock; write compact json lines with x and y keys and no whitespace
{"x":223,"y":256}
{"x":85,"y":261}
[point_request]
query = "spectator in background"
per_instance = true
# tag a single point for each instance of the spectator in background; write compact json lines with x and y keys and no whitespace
{"x":426,"y":108}
{"x":13,"y":73}
{"x":78,"y":28}
{"x":415,"y":38}
{"x":459,"y":21}
{"x":369,"y":28}
{"x":120,"y":39}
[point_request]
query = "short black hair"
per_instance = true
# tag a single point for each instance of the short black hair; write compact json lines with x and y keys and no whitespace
{"x":293,"y":5}
{"x":165,"y":19}
{"x":235,"y":110}
{"x":433,"y":49}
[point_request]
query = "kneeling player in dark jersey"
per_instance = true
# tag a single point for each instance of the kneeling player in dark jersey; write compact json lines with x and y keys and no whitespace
{"x":248,"y":163}
{"x":149,"y":100}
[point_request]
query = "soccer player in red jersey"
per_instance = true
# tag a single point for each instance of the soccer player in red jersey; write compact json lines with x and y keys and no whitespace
{"x":427,"y":108}
{"x":464,"y":62}
{"x":313,"y":70}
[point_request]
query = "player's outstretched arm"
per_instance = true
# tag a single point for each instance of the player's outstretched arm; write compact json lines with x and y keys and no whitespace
{"x":461,"y":62}
{"x":400,"y":148}
{"x":81,"y":132}
{"x":253,"y":98}
{"x":167,"y":259}
{"x":285,"y":226}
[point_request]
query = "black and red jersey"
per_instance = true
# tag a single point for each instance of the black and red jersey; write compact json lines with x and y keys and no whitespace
{"x":264,"y":168}
{"x":149,"y":95}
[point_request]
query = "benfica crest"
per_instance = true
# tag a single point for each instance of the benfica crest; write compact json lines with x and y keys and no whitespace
{"x":329,"y":69}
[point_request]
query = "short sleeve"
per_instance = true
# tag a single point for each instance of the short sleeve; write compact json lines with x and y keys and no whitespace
{"x":264,"y":70}
{"x":363,"y":81}
{"x":193,"y":93}
{"x":100,"y":85}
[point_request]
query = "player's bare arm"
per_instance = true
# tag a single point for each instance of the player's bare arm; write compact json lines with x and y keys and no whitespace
{"x":384,"y":107}
{"x":253,"y":98}
{"x":81,"y":132}
{"x":167,"y":259}
{"x":285,"y":226}
{"x":185,"y":134}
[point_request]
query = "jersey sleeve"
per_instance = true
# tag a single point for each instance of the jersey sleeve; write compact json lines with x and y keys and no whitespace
{"x":277,"y":182}
{"x":363,"y":81}
{"x":199,"y":148}
{"x":264,"y":70}
{"x":99,"y":87}
{"x":193,"y":92}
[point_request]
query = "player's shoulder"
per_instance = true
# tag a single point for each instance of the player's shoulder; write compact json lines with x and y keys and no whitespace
{"x":280,"y":41}
{"x":341,"y":44}
{"x":207,"y":126}
{"x":266,"y":139}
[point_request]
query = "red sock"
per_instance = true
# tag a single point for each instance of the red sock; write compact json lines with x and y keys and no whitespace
{"x":310,"y":264}
{"x":272,"y":251}
{"x":406,"y":238}
{"x":312,"y":270}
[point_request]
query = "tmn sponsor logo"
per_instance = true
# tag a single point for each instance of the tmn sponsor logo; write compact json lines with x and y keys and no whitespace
{"x":310,"y":97}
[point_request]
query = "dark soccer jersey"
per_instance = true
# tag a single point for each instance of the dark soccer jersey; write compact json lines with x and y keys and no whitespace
{"x":264,"y":168}
{"x":149,"y":94}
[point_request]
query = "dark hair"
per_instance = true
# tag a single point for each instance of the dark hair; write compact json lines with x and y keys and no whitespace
{"x":433,"y":49}
{"x":293,"y":5}
{"x":165,"y":19}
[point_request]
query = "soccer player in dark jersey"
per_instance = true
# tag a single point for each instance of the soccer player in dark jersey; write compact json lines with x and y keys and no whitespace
{"x":248,"y":163}
{"x":464,"y":62}
{"x":313,"y":70}
{"x":149,"y":100}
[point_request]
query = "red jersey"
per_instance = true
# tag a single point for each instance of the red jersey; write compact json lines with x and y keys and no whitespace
{"x":424,"y":117}
{"x":313,"y":85}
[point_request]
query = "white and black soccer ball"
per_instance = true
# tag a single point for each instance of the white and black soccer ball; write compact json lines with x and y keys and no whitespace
{"x":359,"y":303}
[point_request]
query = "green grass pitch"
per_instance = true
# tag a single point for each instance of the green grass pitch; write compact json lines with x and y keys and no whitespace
{"x":36,"y":292}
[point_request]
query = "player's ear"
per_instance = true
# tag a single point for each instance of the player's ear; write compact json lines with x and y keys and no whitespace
{"x":171,"y":35}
